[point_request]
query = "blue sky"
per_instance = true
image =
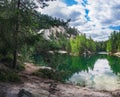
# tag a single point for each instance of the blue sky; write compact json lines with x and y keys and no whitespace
{"x":69,"y":2}
{"x":95,"y":18}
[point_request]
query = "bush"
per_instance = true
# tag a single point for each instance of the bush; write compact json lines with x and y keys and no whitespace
{"x":20,"y":67}
{"x":45,"y":73}
{"x":9,"y":76}
{"x":7,"y":60}
{"x":51,"y":74}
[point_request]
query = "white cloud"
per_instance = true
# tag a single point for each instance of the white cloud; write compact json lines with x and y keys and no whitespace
{"x":102,"y":14}
{"x":61,"y":10}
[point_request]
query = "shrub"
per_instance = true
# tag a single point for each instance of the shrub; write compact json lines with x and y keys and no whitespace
{"x":51,"y":74}
{"x":9,"y":76}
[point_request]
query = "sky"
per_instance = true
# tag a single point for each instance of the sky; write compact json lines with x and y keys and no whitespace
{"x":95,"y":18}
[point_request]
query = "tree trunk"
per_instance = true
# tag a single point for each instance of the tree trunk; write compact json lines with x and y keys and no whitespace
{"x":16,"y":36}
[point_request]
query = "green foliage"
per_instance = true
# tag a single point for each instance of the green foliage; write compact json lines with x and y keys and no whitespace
{"x":68,"y":46}
{"x":50,"y":74}
{"x":92,"y":46}
{"x":109,"y":47}
{"x":45,"y":21}
{"x":9,"y":76}
{"x":74,"y":48}
{"x":20,"y":67}
{"x":72,"y":31}
{"x":15,"y":23}
{"x":113,"y":44}
{"x":101,"y":46}
{"x":45,"y":73}
{"x":81,"y":45}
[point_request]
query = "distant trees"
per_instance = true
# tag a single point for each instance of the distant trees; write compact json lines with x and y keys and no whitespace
{"x":113,"y":44}
{"x":45,"y":21}
{"x":81,"y":44}
{"x":109,"y":46}
{"x":101,"y":45}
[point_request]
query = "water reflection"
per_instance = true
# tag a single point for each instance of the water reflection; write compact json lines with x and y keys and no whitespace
{"x":101,"y":77}
{"x":98,"y":71}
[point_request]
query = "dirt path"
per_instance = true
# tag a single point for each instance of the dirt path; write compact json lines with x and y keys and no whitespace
{"x":30,"y":68}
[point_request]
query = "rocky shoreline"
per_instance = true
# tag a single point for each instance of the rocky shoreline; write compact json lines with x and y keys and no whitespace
{"x":33,"y":86}
{"x":42,"y":89}
{"x":39,"y":87}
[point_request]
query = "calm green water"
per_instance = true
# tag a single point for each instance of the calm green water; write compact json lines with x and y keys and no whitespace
{"x":98,"y":71}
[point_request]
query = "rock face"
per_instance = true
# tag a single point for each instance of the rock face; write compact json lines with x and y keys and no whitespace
{"x":52,"y":31}
{"x":55,"y":31}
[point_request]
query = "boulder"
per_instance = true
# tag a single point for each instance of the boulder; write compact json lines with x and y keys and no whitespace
{"x":24,"y":93}
{"x":116,"y":93}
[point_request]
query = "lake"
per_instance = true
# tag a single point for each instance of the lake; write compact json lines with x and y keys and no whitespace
{"x":100,"y":71}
